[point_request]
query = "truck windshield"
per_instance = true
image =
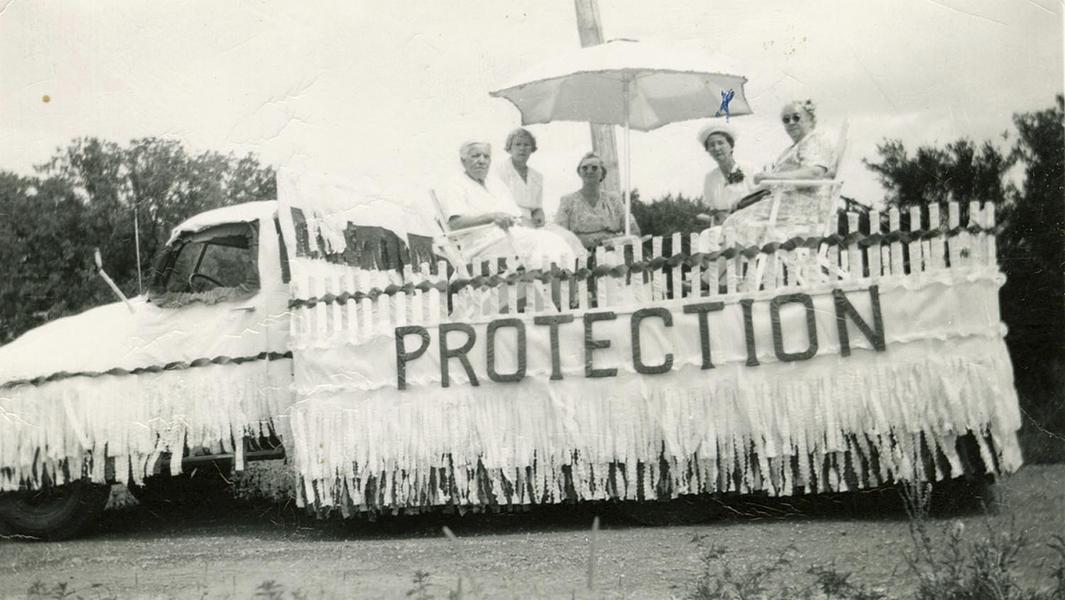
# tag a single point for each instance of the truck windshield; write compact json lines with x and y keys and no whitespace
{"x":219,"y":263}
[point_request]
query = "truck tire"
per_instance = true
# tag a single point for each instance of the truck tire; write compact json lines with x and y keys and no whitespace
{"x":54,"y":513}
{"x":171,"y":491}
{"x":685,"y":510}
{"x":964,"y":495}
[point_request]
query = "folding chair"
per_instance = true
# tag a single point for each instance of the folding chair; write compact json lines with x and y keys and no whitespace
{"x":448,"y":243}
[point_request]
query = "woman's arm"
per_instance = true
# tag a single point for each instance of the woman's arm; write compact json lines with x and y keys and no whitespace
{"x":503,"y":220}
{"x":618,"y":205}
{"x":562,"y":215}
{"x":814,"y":155}
{"x":814,"y":172}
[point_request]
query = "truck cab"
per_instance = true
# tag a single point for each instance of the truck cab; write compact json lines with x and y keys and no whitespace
{"x":216,"y":301}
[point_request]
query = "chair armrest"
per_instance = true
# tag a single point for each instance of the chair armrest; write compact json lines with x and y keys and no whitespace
{"x":456,"y":233}
{"x":799,"y":182}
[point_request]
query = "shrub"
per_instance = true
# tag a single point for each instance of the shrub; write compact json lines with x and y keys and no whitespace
{"x":668,"y":215}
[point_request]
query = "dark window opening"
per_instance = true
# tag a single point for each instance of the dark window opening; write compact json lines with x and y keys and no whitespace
{"x":220,"y":262}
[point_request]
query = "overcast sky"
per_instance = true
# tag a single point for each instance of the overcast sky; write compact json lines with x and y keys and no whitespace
{"x":386,"y":91}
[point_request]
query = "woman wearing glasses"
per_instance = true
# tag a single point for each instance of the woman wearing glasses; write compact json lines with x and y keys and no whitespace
{"x":811,"y":156}
{"x":592,"y":213}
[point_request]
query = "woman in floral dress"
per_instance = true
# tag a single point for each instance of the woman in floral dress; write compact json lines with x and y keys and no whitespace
{"x":592,"y":213}
{"x":802,"y":209}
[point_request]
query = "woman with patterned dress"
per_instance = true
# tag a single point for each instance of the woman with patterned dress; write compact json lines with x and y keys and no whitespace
{"x":592,"y":213}
{"x":802,"y":209}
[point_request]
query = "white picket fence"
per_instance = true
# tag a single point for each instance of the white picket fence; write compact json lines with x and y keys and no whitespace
{"x":334,"y":299}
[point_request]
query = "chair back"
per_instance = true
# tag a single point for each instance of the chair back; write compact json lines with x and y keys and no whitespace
{"x":841,"y":149}
{"x":830,"y":185}
{"x":445,"y":244}
{"x":438,"y":213}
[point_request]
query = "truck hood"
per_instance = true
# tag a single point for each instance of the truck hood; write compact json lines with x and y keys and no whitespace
{"x":110,"y":338}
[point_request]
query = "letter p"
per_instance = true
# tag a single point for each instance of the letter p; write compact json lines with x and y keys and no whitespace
{"x":402,"y":356}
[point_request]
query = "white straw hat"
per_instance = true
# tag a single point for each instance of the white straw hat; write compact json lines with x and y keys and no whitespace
{"x":713,"y":128}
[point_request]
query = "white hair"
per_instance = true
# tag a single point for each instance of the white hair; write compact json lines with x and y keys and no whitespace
{"x":467,"y":147}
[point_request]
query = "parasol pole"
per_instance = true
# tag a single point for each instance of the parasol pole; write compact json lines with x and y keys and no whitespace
{"x":628,"y":161}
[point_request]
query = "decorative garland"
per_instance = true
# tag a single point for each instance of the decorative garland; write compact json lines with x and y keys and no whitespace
{"x":869,"y":461}
{"x":698,"y":259}
{"x":173,"y":366}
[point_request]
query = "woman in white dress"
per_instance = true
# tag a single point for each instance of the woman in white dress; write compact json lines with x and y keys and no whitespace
{"x":475,"y":198}
{"x":725,"y":185}
{"x":526,"y":184}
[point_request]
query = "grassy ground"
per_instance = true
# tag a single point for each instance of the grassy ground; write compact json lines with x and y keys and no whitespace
{"x":273,"y":552}
{"x":1041,"y":388}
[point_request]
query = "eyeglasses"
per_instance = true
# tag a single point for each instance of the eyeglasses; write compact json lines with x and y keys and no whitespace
{"x":792,"y":118}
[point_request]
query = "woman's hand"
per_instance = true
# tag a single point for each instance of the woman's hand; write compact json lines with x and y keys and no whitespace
{"x":758,"y":178}
{"x":503,"y":220}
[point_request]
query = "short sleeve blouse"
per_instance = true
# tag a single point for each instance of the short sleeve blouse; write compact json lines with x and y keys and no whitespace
{"x":591,"y":223}
{"x":814,"y":150}
{"x":718,"y":194}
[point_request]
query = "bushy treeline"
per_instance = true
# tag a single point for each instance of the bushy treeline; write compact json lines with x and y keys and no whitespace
{"x":84,"y":198}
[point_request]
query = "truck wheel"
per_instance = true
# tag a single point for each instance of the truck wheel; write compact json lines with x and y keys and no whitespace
{"x":964,"y":495}
{"x":54,"y":513}
{"x":685,"y":510}
{"x":170,"y":491}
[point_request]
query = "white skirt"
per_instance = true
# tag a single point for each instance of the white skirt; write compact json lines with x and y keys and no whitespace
{"x":537,"y":248}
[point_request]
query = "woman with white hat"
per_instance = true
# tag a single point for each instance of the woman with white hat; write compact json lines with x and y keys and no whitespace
{"x":730,"y":181}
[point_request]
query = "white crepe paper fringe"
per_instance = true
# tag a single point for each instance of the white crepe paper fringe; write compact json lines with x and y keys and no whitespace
{"x":60,"y":430}
{"x":589,"y":441}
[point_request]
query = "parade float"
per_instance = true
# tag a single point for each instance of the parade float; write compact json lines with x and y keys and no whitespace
{"x":328,"y":328}
{"x":397,"y":384}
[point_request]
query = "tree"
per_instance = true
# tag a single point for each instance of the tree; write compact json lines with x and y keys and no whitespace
{"x":667,"y":215}
{"x":43,"y":275}
{"x":84,"y":198}
{"x":163,"y":182}
{"x":960,"y":171}
{"x":1035,"y":224}
{"x":1031,"y":243}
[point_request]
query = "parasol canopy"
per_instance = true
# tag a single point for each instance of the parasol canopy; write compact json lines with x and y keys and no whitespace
{"x":645,"y":85}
